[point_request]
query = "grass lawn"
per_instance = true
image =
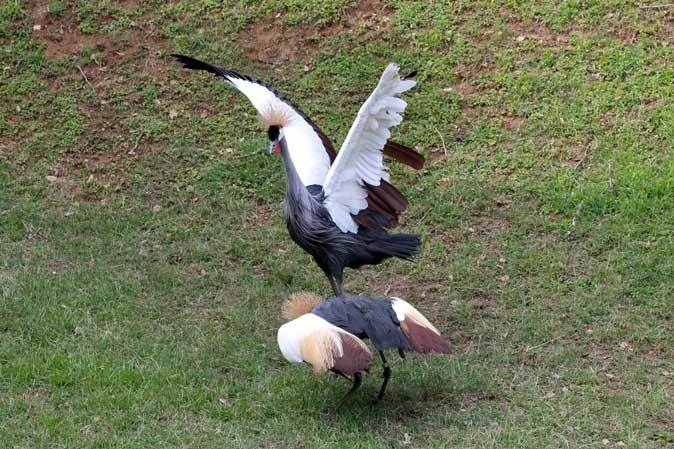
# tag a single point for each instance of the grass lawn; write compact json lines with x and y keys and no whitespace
{"x":144,"y":259}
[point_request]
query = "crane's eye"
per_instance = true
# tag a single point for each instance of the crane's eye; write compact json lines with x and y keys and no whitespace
{"x":273,"y":133}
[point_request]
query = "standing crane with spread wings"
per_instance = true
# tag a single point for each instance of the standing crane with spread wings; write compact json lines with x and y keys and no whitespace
{"x":338,"y":207}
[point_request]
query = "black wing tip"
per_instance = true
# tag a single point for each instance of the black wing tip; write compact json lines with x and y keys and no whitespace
{"x":184,"y":59}
{"x":194,"y":64}
{"x":412,"y":74}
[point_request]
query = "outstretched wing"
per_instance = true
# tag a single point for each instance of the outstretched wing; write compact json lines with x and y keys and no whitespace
{"x":305,"y":141}
{"x":360,"y":160}
{"x":311,"y":150}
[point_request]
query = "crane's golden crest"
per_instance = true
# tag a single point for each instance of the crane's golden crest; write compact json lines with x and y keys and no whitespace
{"x":276,"y":113}
{"x":299,"y":304}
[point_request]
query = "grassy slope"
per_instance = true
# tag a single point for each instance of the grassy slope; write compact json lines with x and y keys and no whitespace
{"x":140,"y":284}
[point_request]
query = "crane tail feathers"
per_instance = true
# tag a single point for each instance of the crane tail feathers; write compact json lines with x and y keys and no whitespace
{"x":423,"y":339}
{"x":420,"y":333}
{"x":403,"y":154}
{"x":402,"y":246}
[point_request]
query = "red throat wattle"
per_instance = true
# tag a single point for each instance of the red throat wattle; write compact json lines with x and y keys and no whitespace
{"x":277,"y":148}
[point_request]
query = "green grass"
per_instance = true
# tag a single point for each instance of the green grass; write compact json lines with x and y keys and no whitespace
{"x":143,"y":257}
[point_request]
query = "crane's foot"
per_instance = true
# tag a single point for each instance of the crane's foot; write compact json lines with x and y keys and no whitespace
{"x":332,"y":376}
{"x":329,"y":415}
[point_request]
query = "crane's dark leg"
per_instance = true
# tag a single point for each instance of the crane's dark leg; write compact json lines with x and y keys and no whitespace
{"x":336,"y":287}
{"x":335,"y":374}
{"x":340,"y":283}
{"x":356,"y":383}
{"x":402,"y":353}
{"x":387,"y":376}
{"x":328,"y":415}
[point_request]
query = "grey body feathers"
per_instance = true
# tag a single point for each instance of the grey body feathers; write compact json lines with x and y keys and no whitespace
{"x":365,"y":317}
{"x":311,"y":227}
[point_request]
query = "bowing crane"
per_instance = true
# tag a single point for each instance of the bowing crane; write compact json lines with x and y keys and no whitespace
{"x":390,"y":322}
{"x":338,"y":206}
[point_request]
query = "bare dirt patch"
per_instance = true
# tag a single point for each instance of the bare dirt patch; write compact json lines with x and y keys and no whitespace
{"x":63,"y":186}
{"x":538,"y":32}
{"x":668,"y":28}
{"x":105,"y":53}
{"x":60,"y":34}
{"x":541,"y":33}
{"x":62,"y":37}
{"x":465,"y":85}
{"x":513,"y":122}
{"x":394,"y":284}
{"x":574,"y":155}
{"x":492,"y":225}
{"x":271,"y":40}
{"x":260,"y":215}
{"x":658,"y":22}
{"x":481,"y":299}
{"x":111,"y":65}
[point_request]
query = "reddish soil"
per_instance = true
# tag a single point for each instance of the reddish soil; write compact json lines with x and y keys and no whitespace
{"x":269,"y":40}
{"x":492,"y":225}
{"x":513,"y":122}
{"x":578,"y":155}
{"x":538,"y":32}
{"x":103,"y":73}
{"x":62,"y":37}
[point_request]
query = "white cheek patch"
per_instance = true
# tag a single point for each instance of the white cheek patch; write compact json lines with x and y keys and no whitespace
{"x":307,"y":153}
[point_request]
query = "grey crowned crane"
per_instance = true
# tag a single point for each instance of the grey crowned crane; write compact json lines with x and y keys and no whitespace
{"x":338,"y":206}
{"x":326,"y":334}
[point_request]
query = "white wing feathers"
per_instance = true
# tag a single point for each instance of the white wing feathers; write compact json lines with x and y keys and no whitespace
{"x":360,"y":159}
{"x":261,"y":97}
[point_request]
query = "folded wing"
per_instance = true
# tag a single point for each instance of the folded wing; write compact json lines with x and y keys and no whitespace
{"x":313,"y":340}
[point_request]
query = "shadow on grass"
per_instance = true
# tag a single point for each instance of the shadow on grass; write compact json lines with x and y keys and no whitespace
{"x":420,"y":388}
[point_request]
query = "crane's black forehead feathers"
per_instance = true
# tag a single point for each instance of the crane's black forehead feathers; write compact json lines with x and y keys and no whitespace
{"x":273,"y":133}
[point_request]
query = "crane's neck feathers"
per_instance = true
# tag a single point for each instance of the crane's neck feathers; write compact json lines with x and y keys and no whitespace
{"x":295,"y":188}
